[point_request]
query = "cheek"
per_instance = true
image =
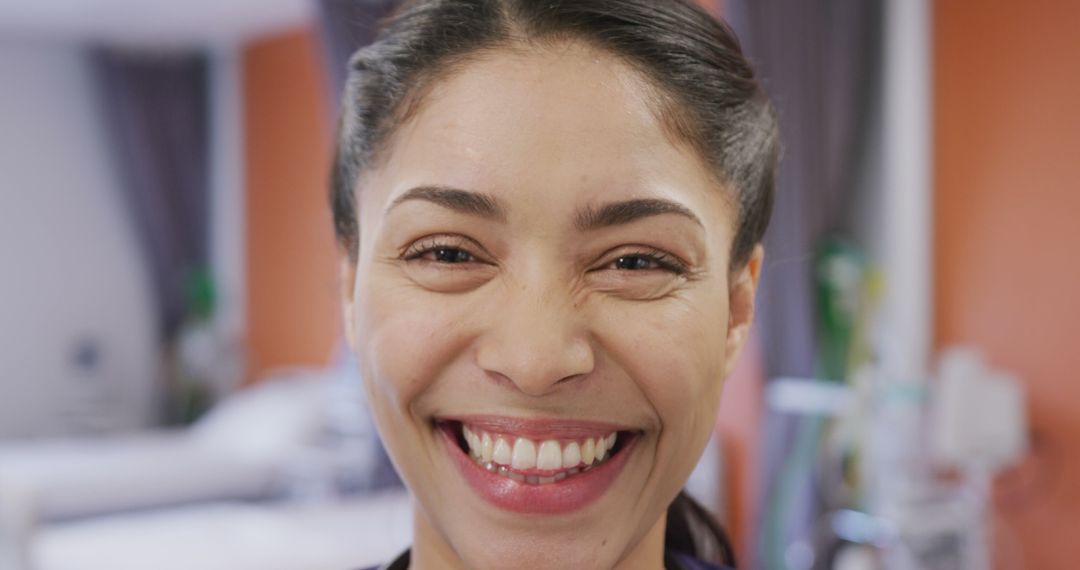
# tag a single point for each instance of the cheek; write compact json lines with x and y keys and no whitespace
{"x":404,"y":338}
{"x":687,"y":341}
{"x":675,"y":352}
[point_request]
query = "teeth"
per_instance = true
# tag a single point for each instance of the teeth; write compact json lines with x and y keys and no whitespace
{"x":473,"y":441}
{"x":524,"y":454}
{"x":549,"y":457}
{"x":487,"y":448}
{"x":571,"y":455}
{"x":501,"y":453}
{"x":496,"y":454}
{"x":588,"y":451}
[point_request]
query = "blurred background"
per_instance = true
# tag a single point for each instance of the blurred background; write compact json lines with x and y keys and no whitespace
{"x":174,"y":387}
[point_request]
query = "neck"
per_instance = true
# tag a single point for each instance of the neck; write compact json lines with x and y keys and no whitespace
{"x":430,"y":551}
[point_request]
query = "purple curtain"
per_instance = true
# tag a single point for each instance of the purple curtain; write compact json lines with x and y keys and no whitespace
{"x":818,"y":60}
{"x":155,"y":109}
{"x":348,"y":25}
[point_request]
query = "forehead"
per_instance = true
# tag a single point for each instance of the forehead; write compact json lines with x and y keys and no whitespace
{"x":561,"y":126}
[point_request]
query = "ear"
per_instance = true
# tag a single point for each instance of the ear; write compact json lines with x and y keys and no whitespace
{"x":741,"y":298}
{"x":348,"y":295}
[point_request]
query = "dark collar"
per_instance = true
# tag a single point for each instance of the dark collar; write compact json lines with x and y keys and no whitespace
{"x":399,"y":563}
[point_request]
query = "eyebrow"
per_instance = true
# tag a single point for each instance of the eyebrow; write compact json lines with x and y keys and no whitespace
{"x":619,"y":213}
{"x":588,"y":219}
{"x":463,"y":201}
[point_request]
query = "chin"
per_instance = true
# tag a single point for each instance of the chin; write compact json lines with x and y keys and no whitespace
{"x":540,"y":551}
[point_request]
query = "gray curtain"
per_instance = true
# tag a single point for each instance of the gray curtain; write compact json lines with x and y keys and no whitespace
{"x":155,"y":109}
{"x":818,"y":60}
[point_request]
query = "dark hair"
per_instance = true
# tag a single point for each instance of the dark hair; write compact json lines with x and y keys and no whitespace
{"x":707,"y":95}
{"x":691,"y":529}
{"x":708,"y":92}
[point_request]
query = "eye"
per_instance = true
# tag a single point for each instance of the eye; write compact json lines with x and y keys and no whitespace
{"x":442,"y":250}
{"x":639,"y":273}
{"x":648,"y":261}
{"x":637,"y":262}
{"x":447,"y":255}
{"x":448,"y":263}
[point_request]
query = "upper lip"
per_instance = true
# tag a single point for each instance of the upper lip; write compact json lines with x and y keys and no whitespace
{"x":540,"y":428}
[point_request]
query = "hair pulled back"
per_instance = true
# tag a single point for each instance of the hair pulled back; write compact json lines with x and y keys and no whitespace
{"x":708,"y":92}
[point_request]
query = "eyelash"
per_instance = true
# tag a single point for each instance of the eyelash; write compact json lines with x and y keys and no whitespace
{"x":428,"y":245}
{"x":663,"y":260}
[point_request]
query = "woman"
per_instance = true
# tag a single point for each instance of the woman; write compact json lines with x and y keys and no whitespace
{"x":551,"y":214}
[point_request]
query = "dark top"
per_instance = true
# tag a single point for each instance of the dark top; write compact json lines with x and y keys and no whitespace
{"x":672,"y":561}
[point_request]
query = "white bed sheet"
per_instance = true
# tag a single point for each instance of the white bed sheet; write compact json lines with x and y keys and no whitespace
{"x":74,"y":478}
{"x":341,"y":535}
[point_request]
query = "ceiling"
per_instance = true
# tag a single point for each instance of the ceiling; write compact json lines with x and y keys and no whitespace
{"x":150,"y":22}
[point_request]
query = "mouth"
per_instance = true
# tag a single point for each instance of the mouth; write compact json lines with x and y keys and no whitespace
{"x":537,"y":466}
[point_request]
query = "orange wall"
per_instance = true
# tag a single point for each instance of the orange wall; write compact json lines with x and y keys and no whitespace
{"x":739,"y":426}
{"x":293,"y":301}
{"x":1007,"y":155}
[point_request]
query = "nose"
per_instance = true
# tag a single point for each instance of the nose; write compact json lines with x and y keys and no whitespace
{"x":537,"y":340}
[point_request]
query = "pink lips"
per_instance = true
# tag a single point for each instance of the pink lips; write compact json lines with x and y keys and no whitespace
{"x":568,"y":495}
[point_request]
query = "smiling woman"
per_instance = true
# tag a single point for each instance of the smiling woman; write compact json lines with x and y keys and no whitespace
{"x":550,"y":216}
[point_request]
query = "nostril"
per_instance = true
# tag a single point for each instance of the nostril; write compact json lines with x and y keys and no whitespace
{"x":570,"y":379}
{"x":533,"y":359}
{"x":502,"y":380}
{"x":534,"y":385}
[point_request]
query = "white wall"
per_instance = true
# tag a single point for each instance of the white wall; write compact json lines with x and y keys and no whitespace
{"x":70,"y":268}
{"x":227,"y":216}
{"x":907,"y":228}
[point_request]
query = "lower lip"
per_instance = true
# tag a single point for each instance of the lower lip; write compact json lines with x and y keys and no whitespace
{"x":571,"y":494}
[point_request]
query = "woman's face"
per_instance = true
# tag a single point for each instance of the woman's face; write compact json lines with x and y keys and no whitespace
{"x":542,"y":266}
